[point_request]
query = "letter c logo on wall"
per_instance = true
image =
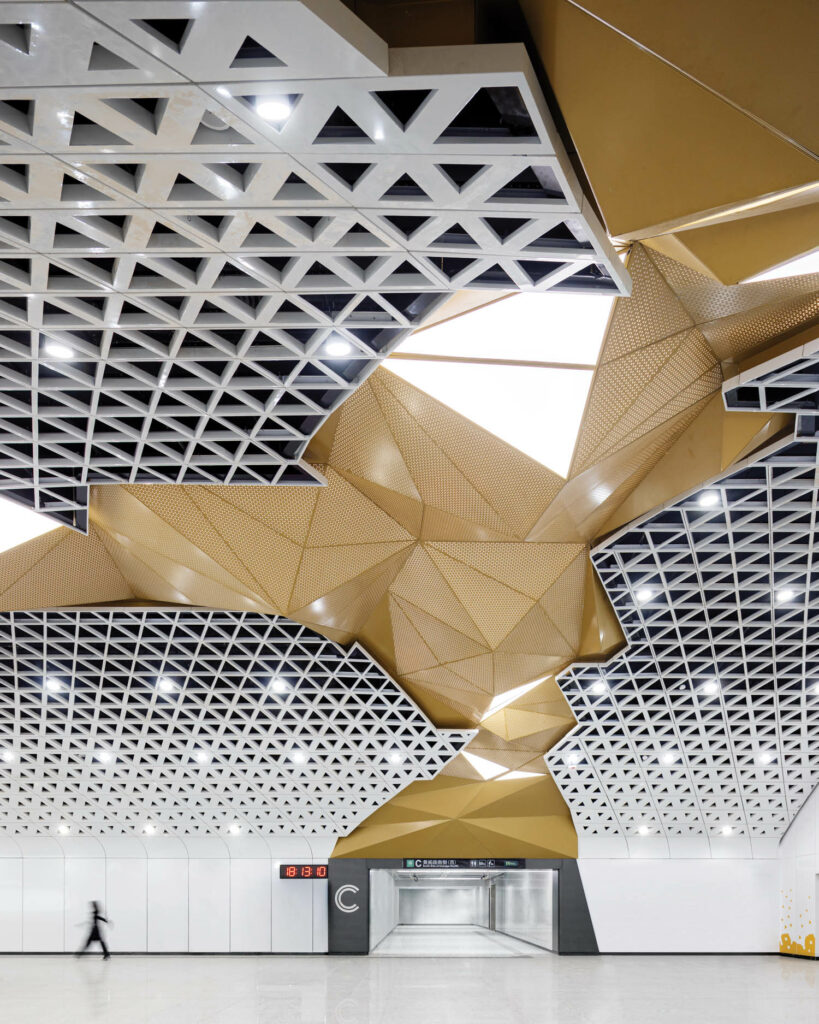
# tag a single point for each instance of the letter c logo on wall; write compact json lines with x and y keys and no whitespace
{"x":341,"y":892}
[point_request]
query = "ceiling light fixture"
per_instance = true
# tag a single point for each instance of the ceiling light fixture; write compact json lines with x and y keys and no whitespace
{"x":149,"y":829}
{"x":598,"y":688}
{"x":765,"y":757}
{"x":644,"y":595}
{"x":298,"y":757}
{"x":668,"y":757}
{"x":52,"y":684}
{"x":815,"y":689}
{"x":395,"y":757}
{"x":785,"y":595}
{"x":643,"y":830}
{"x":63,"y":829}
{"x":710,"y":687}
{"x":104,"y":756}
{"x":58,"y":351}
{"x":727,"y":830}
{"x":572,"y":758}
{"x":166,"y":684}
{"x":708,"y":499}
{"x":202,"y":756}
{"x":279,"y":685}
{"x":234,"y":828}
{"x":338,"y":347}
{"x":275,"y":109}
{"x":8,"y":756}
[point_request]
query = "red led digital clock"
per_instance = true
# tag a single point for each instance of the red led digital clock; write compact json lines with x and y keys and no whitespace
{"x":302,"y":871}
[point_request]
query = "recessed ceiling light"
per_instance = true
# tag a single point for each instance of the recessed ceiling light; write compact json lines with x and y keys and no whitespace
{"x":765,"y":757}
{"x":815,"y":689}
{"x":668,"y":757}
{"x":785,"y":595}
{"x":572,"y":758}
{"x":58,"y":350}
{"x":63,"y":829}
{"x":643,"y":830}
{"x":598,"y":688}
{"x":338,"y":347}
{"x":708,"y":499}
{"x":644,"y":595}
{"x":279,"y":685}
{"x":165,"y":684}
{"x":52,"y":684}
{"x":298,"y":757}
{"x":8,"y":756}
{"x":710,"y":687}
{"x":727,"y":830}
{"x":235,"y":828}
{"x":395,"y":757}
{"x":104,"y":756}
{"x":274,"y":109}
{"x":202,"y":756}
{"x":149,"y":829}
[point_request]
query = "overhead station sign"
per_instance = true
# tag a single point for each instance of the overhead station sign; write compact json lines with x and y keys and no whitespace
{"x":450,"y":863}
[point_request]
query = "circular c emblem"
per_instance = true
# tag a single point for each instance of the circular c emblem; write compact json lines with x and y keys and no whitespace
{"x":341,"y":892}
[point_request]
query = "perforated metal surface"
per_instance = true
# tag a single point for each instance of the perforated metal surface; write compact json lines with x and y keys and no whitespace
{"x":194,"y":721}
{"x":709,"y":721}
{"x":199,"y":263}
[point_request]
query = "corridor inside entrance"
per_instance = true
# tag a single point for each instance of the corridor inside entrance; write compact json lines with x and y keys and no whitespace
{"x":464,"y":912}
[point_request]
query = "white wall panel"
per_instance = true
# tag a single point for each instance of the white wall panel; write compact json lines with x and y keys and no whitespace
{"x":209,"y":905}
{"x":126,"y":904}
{"x":682,"y":906}
{"x":798,"y":878}
{"x":439,"y":905}
{"x":167,"y":905}
{"x":292,"y":913}
{"x":11,"y":904}
{"x":383,"y":905}
{"x":250,"y":889}
{"x":43,"y":897}
{"x":524,"y":906}
{"x":320,"y":916}
{"x":84,"y":882}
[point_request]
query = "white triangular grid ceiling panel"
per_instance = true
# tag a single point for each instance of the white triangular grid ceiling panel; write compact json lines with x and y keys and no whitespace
{"x":709,"y":720}
{"x":200,"y":262}
{"x":211,"y":718}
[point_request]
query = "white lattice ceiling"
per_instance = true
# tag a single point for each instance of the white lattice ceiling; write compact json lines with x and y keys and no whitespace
{"x":188,"y":288}
{"x":708,"y":724}
{"x":194,"y":721}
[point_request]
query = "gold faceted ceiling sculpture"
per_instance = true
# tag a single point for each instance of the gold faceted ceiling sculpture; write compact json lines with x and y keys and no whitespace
{"x":460,"y":563}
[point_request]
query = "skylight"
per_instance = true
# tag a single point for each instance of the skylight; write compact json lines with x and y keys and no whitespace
{"x":19,"y":524}
{"x":807,"y":264}
{"x":520,"y":368}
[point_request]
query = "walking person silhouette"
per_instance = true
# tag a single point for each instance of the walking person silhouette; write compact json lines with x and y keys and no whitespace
{"x":95,"y":933}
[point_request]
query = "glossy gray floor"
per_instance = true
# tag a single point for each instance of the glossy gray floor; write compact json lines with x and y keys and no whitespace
{"x":452,"y":940}
{"x":372,"y":990}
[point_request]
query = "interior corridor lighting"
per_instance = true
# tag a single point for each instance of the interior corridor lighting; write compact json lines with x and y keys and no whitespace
{"x":149,"y":829}
{"x":279,"y":685}
{"x":8,"y":756}
{"x":298,"y":757}
{"x":644,"y":595}
{"x":785,"y":595}
{"x":668,"y":757}
{"x":710,"y":688}
{"x":52,"y":684}
{"x":338,"y":347}
{"x":727,"y":830}
{"x":275,"y":109}
{"x":598,"y":688}
{"x":166,"y":685}
{"x":57,"y":350}
{"x":63,"y":829}
{"x":709,"y":499}
{"x":104,"y":756}
{"x":202,"y":756}
{"x":765,"y":757}
{"x":234,"y":828}
{"x":395,"y":757}
{"x":643,"y":830}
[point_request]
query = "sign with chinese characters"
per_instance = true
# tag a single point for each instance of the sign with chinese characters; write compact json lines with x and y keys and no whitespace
{"x":495,"y":864}
{"x":302,"y":871}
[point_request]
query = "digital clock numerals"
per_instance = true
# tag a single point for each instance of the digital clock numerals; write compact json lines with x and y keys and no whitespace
{"x":303,"y":871}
